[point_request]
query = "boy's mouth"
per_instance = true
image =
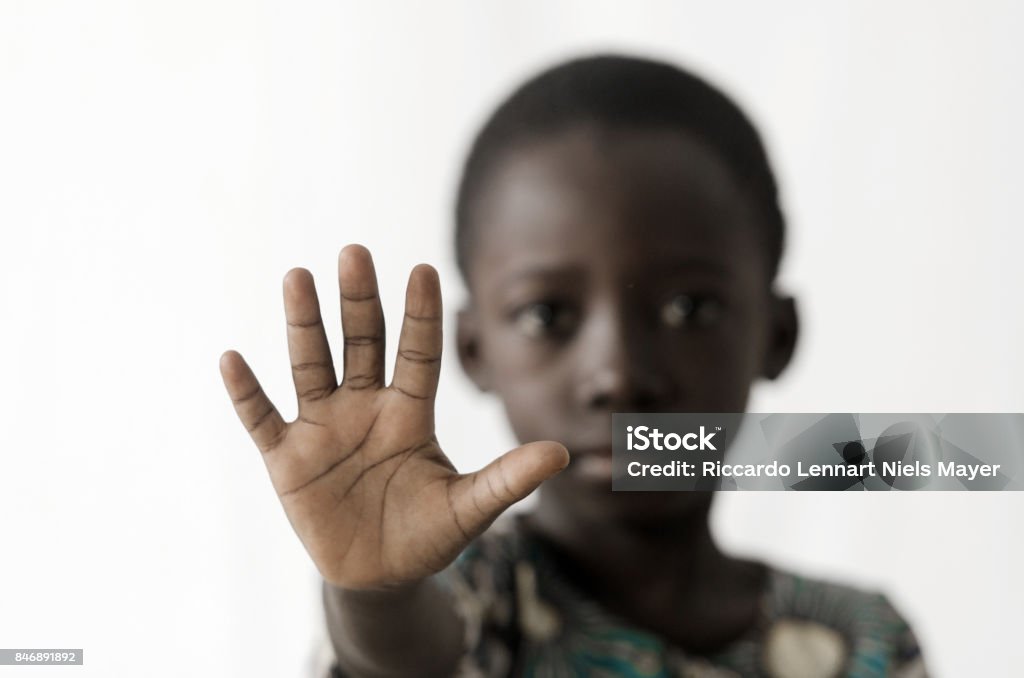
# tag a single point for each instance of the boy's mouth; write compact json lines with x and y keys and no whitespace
{"x":591,"y":463}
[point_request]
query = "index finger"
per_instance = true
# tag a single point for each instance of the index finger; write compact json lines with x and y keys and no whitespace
{"x":418,"y":365}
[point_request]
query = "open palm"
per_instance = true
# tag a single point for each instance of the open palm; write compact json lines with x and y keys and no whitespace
{"x":360,"y":473}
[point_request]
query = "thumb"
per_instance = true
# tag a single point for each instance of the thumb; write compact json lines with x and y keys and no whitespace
{"x":479,"y":498}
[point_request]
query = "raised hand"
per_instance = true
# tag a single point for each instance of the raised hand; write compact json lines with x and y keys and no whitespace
{"x":360,"y":473}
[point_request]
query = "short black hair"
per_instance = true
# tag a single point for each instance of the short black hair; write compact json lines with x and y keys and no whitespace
{"x":622,"y":91}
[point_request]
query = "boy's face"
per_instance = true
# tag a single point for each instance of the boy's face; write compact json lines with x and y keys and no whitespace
{"x":617,"y":271}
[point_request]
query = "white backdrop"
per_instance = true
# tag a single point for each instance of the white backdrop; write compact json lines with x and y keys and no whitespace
{"x":163,"y":164}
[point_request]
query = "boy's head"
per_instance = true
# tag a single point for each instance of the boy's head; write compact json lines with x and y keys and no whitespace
{"x":618,"y":228}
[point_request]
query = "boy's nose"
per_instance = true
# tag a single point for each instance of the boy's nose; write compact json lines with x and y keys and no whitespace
{"x":620,"y":370}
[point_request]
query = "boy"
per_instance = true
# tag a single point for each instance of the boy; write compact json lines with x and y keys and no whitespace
{"x":619,"y":233}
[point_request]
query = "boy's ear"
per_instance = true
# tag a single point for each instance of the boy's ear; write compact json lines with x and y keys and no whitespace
{"x":785,"y":326}
{"x":467,"y":341}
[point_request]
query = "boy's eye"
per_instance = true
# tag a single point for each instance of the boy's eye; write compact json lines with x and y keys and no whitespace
{"x":544,"y":319}
{"x":691,"y":311}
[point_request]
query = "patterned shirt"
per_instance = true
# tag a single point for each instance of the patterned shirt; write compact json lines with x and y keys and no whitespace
{"x":524,"y":617}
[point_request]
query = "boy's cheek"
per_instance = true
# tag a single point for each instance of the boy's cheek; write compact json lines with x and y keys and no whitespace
{"x":535,"y":411}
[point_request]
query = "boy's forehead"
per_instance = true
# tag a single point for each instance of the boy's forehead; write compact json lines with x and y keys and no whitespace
{"x":600,"y":197}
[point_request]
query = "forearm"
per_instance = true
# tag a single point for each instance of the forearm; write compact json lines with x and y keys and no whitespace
{"x":409,"y":631}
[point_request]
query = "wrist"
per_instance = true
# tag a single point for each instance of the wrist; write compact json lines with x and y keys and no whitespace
{"x":389,"y":593}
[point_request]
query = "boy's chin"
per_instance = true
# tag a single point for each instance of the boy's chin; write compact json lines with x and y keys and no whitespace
{"x":596,"y":500}
{"x":657,"y":507}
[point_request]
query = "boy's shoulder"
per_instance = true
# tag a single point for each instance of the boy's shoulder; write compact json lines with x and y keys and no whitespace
{"x":862,"y":625}
{"x":791,"y":594}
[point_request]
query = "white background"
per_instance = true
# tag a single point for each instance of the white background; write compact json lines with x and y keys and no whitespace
{"x":163,"y":164}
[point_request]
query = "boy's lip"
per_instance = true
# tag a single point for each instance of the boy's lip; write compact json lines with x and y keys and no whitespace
{"x":600,"y":450}
{"x":592,"y":463}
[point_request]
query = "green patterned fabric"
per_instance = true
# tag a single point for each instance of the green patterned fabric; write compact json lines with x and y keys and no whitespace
{"x":524,"y":617}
